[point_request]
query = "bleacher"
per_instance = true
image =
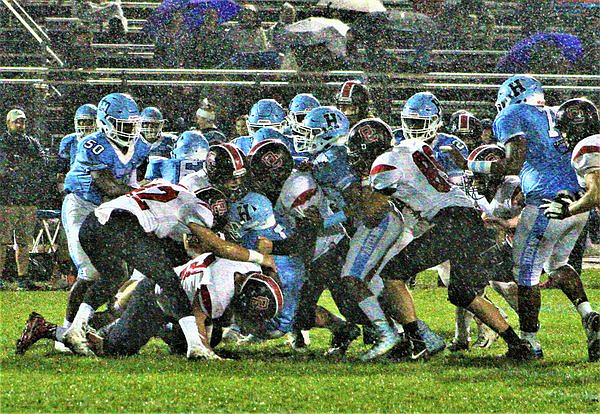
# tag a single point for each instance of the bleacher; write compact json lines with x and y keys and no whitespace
{"x":460,"y":78}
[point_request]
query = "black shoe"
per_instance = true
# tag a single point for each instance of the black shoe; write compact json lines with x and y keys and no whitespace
{"x":369,"y":335}
{"x":401,"y":351}
{"x":418,"y":349}
{"x":458,"y":346}
{"x":342,"y":339}
{"x":521,"y":352}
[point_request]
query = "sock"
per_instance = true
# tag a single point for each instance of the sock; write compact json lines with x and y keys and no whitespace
{"x":412,"y":329}
{"x":584,"y":309}
{"x":372,"y":309}
{"x":462,"y":331}
{"x":190,"y":330}
{"x":66,"y":323}
{"x":60,"y":333}
{"x":84,"y":314}
{"x":510,"y":337}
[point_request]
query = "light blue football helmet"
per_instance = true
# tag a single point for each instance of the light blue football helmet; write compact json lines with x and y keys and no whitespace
{"x":85,"y":120}
{"x":192,"y":146}
{"x":520,"y":89}
{"x":152,"y":124}
{"x":119,"y":118}
{"x":266,"y":133}
{"x":266,"y":112}
{"x":421,"y":116}
{"x":322,"y":127}
{"x":300,"y":105}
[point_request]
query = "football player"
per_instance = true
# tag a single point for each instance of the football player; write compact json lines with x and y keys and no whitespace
{"x":85,"y":124}
{"x":354,"y":100}
{"x":500,"y":200}
{"x":300,"y":105}
{"x":157,"y":216}
{"x":410,"y":175}
{"x":212,"y":285}
{"x":421,"y":119}
{"x":205,"y":122}
{"x":161,"y":144}
{"x":322,"y":135}
{"x":188,"y":156}
{"x":104,"y":168}
{"x":536,"y":151}
{"x":579,"y":124}
{"x":467,"y":127}
{"x":264,"y":113}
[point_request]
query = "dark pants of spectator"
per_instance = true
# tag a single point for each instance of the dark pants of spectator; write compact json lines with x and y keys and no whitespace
{"x":123,"y":240}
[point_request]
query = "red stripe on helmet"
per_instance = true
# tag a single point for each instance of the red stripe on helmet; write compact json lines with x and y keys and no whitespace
{"x":382,"y":168}
{"x":261,"y":144}
{"x":586,"y":149}
{"x":304,"y":197}
{"x":236,"y":158}
{"x":477,"y":151}
{"x":273,"y":286}
{"x":346,"y":92}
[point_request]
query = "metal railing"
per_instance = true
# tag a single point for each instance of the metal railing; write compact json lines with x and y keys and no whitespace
{"x":33,"y":28}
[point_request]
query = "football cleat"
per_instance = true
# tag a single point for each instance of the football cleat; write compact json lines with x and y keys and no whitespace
{"x":458,"y":346}
{"x":591,"y":324}
{"x":386,"y":341}
{"x":201,"y":352}
{"x":418,"y":349}
{"x":402,"y":350}
{"x":521,"y":352}
{"x":369,"y":335}
{"x":35,"y":329}
{"x":485,"y":337}
{"x":297,"y":342}
{"x":61,"y":348}
{"x":433,"y":341}
{"x":232,"y":334}
{"x":342,"y":339}
{"x":536,"y":347}
{"x":75,"y":339}
{"x":95,"y":341}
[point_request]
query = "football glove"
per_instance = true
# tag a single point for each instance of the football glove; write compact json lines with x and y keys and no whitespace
{"x":558,"y":208}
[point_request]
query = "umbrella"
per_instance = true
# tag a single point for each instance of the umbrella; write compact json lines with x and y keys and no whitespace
{"x":365,"y":6}
{"x":193,"y":12}
{"x":318,"y":31}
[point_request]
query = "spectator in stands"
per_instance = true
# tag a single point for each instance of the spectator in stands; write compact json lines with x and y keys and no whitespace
{"x":175,"y":43}
{"x":287,"y":15}
{"x":251,"y":48}
{"x":212,"y":45}
{"x":108,"y":14}
{"x":241,"y":126}
{"x":23,"y":176}
{"x":487,"y":134}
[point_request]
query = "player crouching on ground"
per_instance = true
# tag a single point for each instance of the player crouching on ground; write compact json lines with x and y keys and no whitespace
{"x":213,"y":286}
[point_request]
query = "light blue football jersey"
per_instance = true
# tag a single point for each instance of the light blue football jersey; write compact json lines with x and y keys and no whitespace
{"x":171,"y":169}
{"x":445,"y":160}
{"x":333,"y":173}
{"x":67,"y":150}
{"x":547,"y":168}
{"x":95,"y":153}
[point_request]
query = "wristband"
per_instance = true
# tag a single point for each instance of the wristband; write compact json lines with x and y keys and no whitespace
{"x":483,"y":167}
{"x":334,"y":219}
{"x":255,"y":257}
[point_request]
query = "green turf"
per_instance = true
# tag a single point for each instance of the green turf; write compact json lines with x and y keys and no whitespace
{"x":270,"y":378}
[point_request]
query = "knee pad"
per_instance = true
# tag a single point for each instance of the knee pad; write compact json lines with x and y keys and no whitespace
{"x":462,"y":295}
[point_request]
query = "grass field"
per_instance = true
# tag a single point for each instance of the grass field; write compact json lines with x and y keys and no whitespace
{"x":270,"y":378}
